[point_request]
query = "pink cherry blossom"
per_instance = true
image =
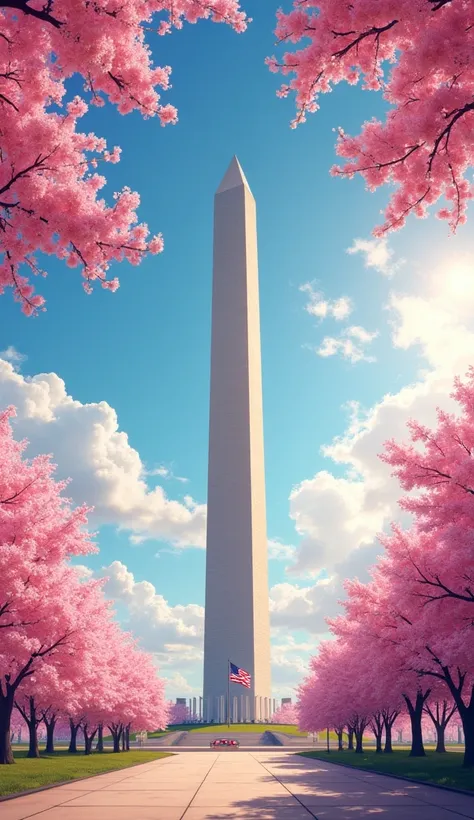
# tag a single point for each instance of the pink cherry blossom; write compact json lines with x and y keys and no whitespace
{"x":48,"y":192}
{"x":62,"y":654}
{"x":419,"y":55}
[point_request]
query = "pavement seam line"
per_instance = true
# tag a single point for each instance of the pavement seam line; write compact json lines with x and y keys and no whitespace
{"x":285,"y":787}
{"x":406,"y":780}
{"x":202,"y":781}
{"x":347,"y":766}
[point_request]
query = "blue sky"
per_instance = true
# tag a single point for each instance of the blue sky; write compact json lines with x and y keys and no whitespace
{"x":145,"y":350}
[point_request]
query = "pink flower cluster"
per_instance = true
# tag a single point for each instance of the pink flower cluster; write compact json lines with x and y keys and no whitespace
{"x":48,"y":192}
{"x":420,"y":55}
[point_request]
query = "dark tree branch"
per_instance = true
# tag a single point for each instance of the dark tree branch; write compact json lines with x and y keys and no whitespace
{"x":43,"y":14}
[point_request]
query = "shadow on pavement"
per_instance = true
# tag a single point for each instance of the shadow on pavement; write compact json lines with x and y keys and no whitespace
{"x":301,"y":791}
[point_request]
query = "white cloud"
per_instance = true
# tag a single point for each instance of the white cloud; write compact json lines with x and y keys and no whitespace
{"x":280,"y":552}
{"x":377,"y":255}
{"x":106,"y":471}
{"x":322,"y":308}
{"x":350,"y":344}
{"x":166,"y":472}
{"x":295,"y":607}
{"x":289,"y":665}
{"x":160,"y":627}
{"x":338,"y":516}
{"x":83,"y":571}
{"x":177,"y":686}
{"x":12,"y":355}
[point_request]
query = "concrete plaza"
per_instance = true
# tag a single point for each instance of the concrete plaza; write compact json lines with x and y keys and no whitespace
{"x":275,"y":785}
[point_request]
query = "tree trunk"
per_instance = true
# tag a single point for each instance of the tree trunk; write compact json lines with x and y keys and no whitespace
{"x":350,"y":738}
{"x":50,"y":726}
{"x":340,"y":747}
{"x":440,"y":716}
{"x":6,"y":709}
{"x":376,"y":725}
{"x":123,"y":739}
{"x":415,"y":710}
{"x":440,"y":746}
{"x":32,"y":723}
{"x":74,"y":727}
{"x":88,"y":739}
{"x":389,"y":718}
{"x":388,"y":739}
{"x":116,"y":732}
{"x":127,"y":739}
{"x":359,"y":736}
{"x":466,"y":713}
{"x":100,"y":739}
{"x":467,"y":717}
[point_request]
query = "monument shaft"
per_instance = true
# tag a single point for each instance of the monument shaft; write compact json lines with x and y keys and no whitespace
{"x":237,"y":601}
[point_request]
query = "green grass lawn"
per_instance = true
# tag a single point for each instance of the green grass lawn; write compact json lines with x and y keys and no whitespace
{"x":27,"y":773}
{"x":442,"y":769}
{"x":222,"y":728}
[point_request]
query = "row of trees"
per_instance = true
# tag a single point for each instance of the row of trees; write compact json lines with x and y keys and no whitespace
{"x":62,"y":654}
{"x":406,"y":639}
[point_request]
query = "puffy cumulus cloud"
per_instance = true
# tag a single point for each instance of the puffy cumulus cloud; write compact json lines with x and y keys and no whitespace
{"x":278,"y":551}
{"x":106,"y":471}
{"x":295,"y":607}
{"x":333,"y":517}
{"x":322,"y":308}
{"x":83,"y":571}
{"x":377,"y":254}
{"x":176,"y":686}
{"x":338,"y":516}
{"x":289,"y":665}
{"x":160,"y":627}
{"x":350,"y":344}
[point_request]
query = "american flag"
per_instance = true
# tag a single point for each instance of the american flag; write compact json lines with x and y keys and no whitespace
{"x":238,"y":675}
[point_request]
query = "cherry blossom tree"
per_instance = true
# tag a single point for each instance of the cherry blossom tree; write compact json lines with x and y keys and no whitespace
{"x":60,"y":654}
{"x":32,"y":716}
{"x":38,"y":531}
{"x":440,"y":713}
{"x":286,"y":715}
{"x":419,"y":54}
{"x":178,"y":713}
{"x":436,"y":639}
{"x":440,"y":464}
{"x":49,"y":186}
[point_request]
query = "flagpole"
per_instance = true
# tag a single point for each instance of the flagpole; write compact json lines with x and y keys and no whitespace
{"x":228,"y":692}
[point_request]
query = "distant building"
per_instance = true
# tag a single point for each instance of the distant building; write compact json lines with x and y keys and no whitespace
{"x":285,"y":701}
{"x":180,"y":701}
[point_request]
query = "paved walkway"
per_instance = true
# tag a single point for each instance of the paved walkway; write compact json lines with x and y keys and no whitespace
{"x":251,"y":785}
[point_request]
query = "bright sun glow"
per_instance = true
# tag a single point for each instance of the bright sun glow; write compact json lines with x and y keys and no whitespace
{"x":459,"y":280}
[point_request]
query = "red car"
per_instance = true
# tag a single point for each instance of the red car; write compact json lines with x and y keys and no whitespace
{"x":224,"y":741}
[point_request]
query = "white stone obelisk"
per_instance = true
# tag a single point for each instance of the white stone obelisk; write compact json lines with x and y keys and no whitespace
{"x":237,"y":623}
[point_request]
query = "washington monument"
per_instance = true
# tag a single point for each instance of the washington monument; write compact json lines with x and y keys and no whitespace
{"x":237,"y":619}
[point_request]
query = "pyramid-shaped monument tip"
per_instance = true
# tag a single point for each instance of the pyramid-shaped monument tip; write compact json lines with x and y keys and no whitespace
{"x":233,"y":177}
